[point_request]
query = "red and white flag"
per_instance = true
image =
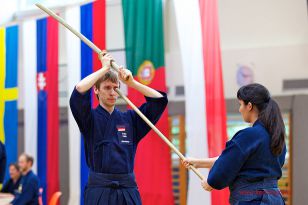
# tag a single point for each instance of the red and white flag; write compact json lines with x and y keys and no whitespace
{"x":197,"y":27}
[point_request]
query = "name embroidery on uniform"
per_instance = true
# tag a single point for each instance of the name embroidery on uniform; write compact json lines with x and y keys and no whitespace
{"x":122,"y":134}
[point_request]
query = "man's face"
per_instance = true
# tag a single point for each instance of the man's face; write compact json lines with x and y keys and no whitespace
{"x":106,"y":93}
{"x":14,"y":173}
{"x":23,"y":164}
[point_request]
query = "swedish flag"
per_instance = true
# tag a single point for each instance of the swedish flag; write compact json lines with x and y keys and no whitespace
{"x":9,"y":91}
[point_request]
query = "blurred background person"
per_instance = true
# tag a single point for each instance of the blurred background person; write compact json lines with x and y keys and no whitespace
{"x":28,"y":190}
{"x":12,"y":184}
{"x":2,"y":163}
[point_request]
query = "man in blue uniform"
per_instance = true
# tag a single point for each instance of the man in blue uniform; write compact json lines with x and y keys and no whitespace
{"x":28,"y":191}
{"x":110,"y":136}
{"x":2,"y":162}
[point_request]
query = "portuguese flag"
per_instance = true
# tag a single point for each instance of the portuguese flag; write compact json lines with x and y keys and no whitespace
{"x":144,"y":44}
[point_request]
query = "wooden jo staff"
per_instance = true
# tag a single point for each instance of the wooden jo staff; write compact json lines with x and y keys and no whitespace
{"x":116,"y":68}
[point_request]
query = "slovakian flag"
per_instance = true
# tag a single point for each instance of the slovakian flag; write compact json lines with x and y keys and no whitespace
{"x":9,"y":92}
{"x":48,"y":106}
{"x":198,"y":32}
{"x":40,"y":56}
{"x":144,"y":45}
{"x":89,"y":19}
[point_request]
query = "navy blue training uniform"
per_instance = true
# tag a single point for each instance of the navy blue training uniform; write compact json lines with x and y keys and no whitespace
{"x":110,"y":142}
{"x":2,"y":162}
{"x":249,"y":168}
{"x":28,"y":191}
{"x":10,"y":186}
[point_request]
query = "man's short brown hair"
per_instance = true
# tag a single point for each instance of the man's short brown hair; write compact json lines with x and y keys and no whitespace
{"x":110,"y":75}
{"x":28,"y":158}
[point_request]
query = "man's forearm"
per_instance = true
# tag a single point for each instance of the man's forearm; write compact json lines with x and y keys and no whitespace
{"x":145,"y":90}
{"x":87,"y":83}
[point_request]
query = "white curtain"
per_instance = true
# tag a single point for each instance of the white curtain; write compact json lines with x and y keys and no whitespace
{"x":188,"y":24}
{"x":30,"y":89}
{"x":72,"y":17}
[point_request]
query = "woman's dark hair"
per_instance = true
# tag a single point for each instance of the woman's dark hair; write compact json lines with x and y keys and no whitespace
{"x":16,"y":166}
{"x":269,"y":113}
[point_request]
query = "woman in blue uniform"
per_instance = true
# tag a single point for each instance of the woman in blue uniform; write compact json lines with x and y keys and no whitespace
{"x":251,"y":163}
{"x":2,"y":162}
{"x":15,"y":177}
{"x":111,"y":136}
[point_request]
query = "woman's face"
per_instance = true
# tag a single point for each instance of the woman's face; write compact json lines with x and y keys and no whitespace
{"x":245,"y":110}
{"x":14,"y":173}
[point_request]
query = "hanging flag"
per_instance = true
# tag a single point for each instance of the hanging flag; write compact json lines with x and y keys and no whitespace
{"x":72,"y":17}
{"x":29,"y":88}
{"x":144,"y":45}
{"x":48,"y":106}
{"x":88,"y":19}
{"x":189,"y":31}
{"x":9,"y":92}
{"x":205,"y":112}
{"x":214,"y":89}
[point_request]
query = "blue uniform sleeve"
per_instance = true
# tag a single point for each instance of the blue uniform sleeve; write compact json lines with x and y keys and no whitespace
{"x":2,"y":162}
{"x":152,"y":109}
{"x":227,"y":166}
{"x":5,"y":188}
{"x":81,"y":109}
{"x":29,"y":192}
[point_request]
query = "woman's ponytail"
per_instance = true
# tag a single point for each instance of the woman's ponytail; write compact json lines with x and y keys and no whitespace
{"x":269,"y":113}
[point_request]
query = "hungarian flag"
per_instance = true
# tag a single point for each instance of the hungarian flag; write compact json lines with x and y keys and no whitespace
{"x":144,"y":44}
{"x":198,"y":34}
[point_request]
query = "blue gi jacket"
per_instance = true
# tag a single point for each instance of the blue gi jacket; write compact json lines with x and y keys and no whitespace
{"x":247,"y":158}
{"x":2,"y":162}
{"x":10,"y":186}
{"x":110,"y":142}
{"x":28,"y":190}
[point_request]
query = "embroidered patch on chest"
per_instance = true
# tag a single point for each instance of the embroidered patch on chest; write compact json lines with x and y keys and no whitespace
{"x":121,"y":128}
{"x":123,"y":135}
